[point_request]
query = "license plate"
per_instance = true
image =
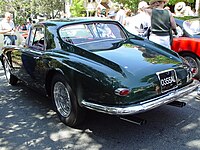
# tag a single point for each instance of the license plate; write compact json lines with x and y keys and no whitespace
{"x":168,"y":79}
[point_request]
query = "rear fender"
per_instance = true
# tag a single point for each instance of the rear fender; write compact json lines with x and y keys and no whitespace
{"x":77,"y":88}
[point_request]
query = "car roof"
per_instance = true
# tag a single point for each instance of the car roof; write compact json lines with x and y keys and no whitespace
{"x":65,"y":21}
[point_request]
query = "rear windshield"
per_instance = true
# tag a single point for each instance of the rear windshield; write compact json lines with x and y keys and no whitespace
{"x":79,"y":34}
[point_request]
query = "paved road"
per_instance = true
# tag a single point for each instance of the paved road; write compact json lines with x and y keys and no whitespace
{"x":27,"y":121}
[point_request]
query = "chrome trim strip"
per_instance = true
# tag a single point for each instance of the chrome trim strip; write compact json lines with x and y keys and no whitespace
{"x":145,"y":105}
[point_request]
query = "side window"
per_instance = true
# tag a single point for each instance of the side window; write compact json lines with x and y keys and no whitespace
{"x":75,"y":33}
{"x":37,"y":38}
{"x":50,"y":43}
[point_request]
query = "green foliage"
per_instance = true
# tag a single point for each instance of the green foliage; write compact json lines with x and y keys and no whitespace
{"x":19,"y":20}
{"x":131,"y":4}
{"x":77,"y":8}
{"x":173,"y":2}
{"x":3,"y":3}
{"x":187,"y":17}
{"x":50,"y":7}
{"x":22,"y":7}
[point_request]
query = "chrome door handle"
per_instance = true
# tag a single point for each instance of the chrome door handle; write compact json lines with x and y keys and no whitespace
{"x":36,"y":57}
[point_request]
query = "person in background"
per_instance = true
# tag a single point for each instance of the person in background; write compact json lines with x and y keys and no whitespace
{"x":162,"y":23}
{"x":99,"y":12}
{"x":128,"y":19}
{"x":139,"y":23}
{"x":23,"y":27}
{"x":7,"y":28}
{"x":112,"y":14}
{"x":121,"y":15}
{"x":29,"y":23}
{"x":167,"y":8}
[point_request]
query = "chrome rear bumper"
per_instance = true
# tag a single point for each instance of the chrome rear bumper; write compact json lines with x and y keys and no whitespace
{"x":145,"y":105}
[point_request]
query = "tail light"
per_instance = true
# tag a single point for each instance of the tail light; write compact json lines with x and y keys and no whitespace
{"x":122,"y":91}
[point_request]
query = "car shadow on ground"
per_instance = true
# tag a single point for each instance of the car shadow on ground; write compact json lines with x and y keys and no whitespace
{"x":27,"y":121}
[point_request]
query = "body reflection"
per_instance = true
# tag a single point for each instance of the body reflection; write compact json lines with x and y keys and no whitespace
{"x":29,"y":65}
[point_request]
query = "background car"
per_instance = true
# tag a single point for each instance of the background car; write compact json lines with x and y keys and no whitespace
{"x":188,"y":44}
{"x":96,"y":64}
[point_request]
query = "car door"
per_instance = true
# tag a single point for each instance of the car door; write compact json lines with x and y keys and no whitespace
{"x":32,"y":58}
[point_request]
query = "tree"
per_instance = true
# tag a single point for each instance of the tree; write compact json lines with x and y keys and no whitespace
{"x":131,"y":4}
{"x":77,"y":8}
{"x":2,"y":5}
{"x":49,"y":8}
{"x":22,"y":9}
{"x":173,"y":2}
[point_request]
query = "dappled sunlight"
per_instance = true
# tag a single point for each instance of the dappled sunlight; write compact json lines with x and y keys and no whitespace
{"x":192,"y":101}
{"x":194,"y":144}
{"x":190,"y":126}
{"x":39,"y":116}
{"x":34,"y":142}
{"x":27,"y":121}
{"x":66,"y":134}
{"x":17,"y":123}
{"x":63,"y":134}
{"x":81,"y":138}
{"x":9,"y":116}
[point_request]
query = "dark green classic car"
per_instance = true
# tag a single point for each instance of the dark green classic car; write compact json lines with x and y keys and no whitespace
{"x":96,"y":64}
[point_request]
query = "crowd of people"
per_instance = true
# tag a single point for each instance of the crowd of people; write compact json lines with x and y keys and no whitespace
{"x":153,"y":20}
{"x":8,"y":28}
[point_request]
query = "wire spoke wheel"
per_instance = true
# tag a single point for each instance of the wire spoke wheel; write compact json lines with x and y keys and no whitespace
{"x":193,"y":64}
{"x":65,"y":102}
{"x":62,"y":99}
{"x":7,"y":70}
{"x":9,"y":76}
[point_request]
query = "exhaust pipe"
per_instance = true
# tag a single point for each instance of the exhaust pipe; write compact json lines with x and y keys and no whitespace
{"x":134,"y":120}
{"x":198,"y":93}
{"x":177,"y":104}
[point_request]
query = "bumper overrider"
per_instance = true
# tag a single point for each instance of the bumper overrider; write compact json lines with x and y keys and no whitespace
{"x":144,"y":105}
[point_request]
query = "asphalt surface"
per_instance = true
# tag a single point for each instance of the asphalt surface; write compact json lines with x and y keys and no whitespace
{"x":27,"y":121}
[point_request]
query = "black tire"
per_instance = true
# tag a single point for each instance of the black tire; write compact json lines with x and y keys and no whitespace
{"x":10,"y":77}
{"x":194,"y":62}
{"x":65,"y":102}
